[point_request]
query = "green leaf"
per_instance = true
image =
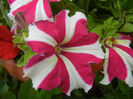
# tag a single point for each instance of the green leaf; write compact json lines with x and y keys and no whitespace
{"x":123,"y":88}
{"x":25,"y":58}
{"x":3,"y":86}
{"x":26,"y":91}
{"x":78,"y":93}
{"x":8,"y":95}
{"x":129,"y":18}
{"x":91,"y":22}
{"x":44,"y":95}
{"x":128,"y":27}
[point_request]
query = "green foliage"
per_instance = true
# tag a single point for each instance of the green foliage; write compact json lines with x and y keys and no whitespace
{"x":28,"y":53}
{"x":108,"y":28}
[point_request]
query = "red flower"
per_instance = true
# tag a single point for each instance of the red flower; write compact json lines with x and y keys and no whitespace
{"x":7,"y":48}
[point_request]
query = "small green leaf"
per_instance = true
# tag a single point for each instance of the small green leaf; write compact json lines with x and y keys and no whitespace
{"x":123,"y":87}
{"x":44,"y":95}
{"x":3,"y":86}
{"x":25,"y":58}
{"x":91,"y":22}
{"x":128,"y":27}
{"x":26,"y":91}
{"x":8,"y":95}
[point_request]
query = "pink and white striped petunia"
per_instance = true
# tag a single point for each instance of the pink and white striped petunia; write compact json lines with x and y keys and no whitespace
{"x":118,"y":60}
{"x":65,"y":49}
{"x":33,"y":10}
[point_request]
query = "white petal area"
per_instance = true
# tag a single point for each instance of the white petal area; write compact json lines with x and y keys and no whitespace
{"x":71,"y":24}
{"x":93,"y":49}
{"x":128,"y":57}
{"x":122,"y":42}
{"x":18,"y":3}
{"x":105,"y":80}
{"x":40,"y":70}
{"x":129,"y":79}
{"x":75,"y":79}
{"x":37,"y":35}
{"x":40,"y":12}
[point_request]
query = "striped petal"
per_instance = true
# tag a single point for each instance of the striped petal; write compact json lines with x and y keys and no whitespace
{"x":89,"y":50}
{"x":118,"y":61}
{"x":72,"y":28}
{"x":41,"y":70}
{"x":34,"y":10}
{"x":79,"y":77}
{"x":40,"y":42}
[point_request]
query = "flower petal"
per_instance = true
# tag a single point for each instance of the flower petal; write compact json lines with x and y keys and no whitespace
{"x":90,"y":49}
{"x":116,"y":66}
{"x":43,"y":11}
{"x":5,"y":34}
{"x":89,"y":39}
{"x":8,"y":50}
{"x":41,"y":39}
{"x":28,"y":8}
{"x":70,"y":25}
{"x":77,"y":80}
{"x":38,"y":69}
{"x":10,"y":1}
{"x":128,"y":63}
{"x":124,"y":40}
{"x":34,"y":10}
{"x":124,"y":37}
{"x":127,"y":53}
{"x":57,"y":77}
{"x":41,"y":47}
{"x":49,"y":28}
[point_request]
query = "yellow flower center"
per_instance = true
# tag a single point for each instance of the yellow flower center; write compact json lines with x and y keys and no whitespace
{"x":108,"y":42}
{"x":57,"y":50}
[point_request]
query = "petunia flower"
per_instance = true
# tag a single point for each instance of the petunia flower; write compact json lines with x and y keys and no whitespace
{"x":7,"y":48}
{"x":65,"y":49}
{"x":33,"y":10}
{"x":118,"y":60}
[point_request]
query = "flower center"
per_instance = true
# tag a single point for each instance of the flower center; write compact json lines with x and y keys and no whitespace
{"x":108,"y":42}
{"x":57,"y":50}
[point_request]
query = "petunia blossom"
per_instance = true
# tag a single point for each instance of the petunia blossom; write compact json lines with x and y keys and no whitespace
{"x":7,"y":48}
{"x":33,"y":10}
{"x":65,"y":49}
{"x":118,"y":60}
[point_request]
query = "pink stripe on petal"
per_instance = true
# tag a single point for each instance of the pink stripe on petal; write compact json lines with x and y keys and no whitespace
{"x":80,"y":61}
{"x":126,"y":49}
{"x":116,"y":66}
{"x":47,"y":8}
{"x":53,"y":79}
{"x":40,"y":47}
{"x":124,"y":37}
{"x":80,"y":32}
{"x":65,"y":80}
{"x":49,"y":28}
{"x":90,"y":38}
{"x":35,"y":59}
{"x":28,"y":10}
{"x":10,"y":1}
{"x":61,"y":25}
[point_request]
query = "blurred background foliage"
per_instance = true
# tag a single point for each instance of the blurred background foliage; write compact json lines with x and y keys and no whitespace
{"x":105,"y":17}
